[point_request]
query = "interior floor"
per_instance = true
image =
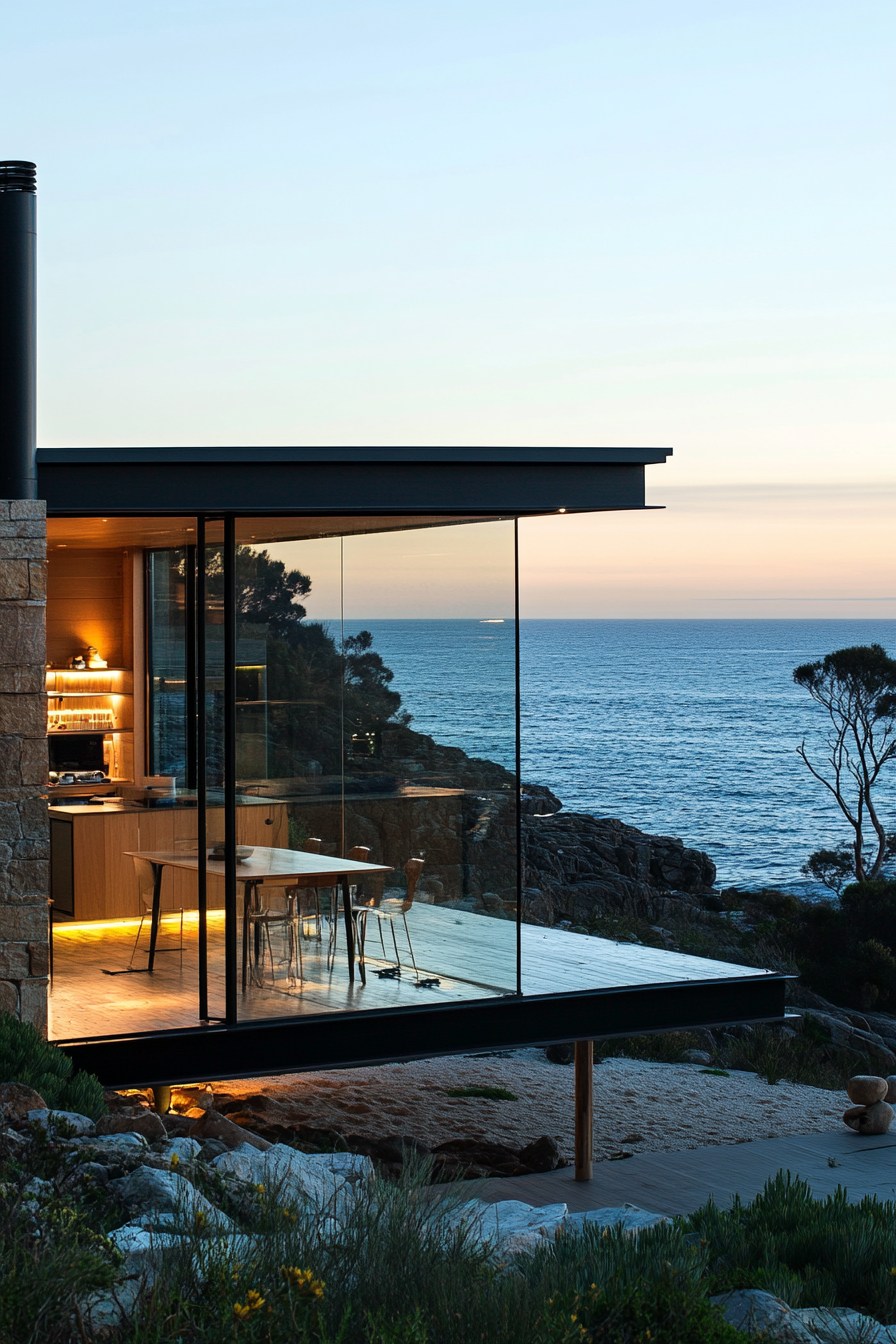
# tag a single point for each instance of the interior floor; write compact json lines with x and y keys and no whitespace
{"x":473,"y":957}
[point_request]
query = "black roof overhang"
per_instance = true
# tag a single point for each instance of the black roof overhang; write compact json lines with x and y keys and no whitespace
{"x":488,"y":481}
{"x":344,"y":1040}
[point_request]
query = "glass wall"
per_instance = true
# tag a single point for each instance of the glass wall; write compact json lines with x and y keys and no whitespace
{"x":344,"y":644}
{"x":310,"y":801}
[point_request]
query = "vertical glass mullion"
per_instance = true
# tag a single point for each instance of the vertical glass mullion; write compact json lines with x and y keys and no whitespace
{"x":199,"y":701}
{"x":230,"y":897}
{"x":190,"y":637}
{"x":519,"y":772}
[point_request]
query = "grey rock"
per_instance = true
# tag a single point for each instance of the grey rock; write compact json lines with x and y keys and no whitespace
{"x":510,"y":1227}
{"x":164,"y":1194}
{"x":697,"y":1057}
{"x":37,"y":1188}
{"x":629,"y":1218}
{"x":115,"y":1143}
{"x":285,"y":1171}
{"x":184,"y":1148}
{"x":841,"y":1325}
{"x":890,"y":1098}
{"x":50,"y":1120}
{"x":751,"y":1310}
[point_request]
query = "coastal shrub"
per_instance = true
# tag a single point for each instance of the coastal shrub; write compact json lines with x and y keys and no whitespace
{"x":801,"y":1059}
{"x":662,"y":1047}
{"x":812,"y":1252}
{"x":665,"y":1312}
{"x":846,"y":951}
{"x":25,"y":1057}
{"x":46,"y":1269}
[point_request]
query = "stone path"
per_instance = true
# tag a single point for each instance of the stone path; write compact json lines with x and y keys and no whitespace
{"x":680,"y":1182}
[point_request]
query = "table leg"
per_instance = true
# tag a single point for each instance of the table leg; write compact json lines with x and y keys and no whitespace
{"x":157,"y":869}
{"x":350,"y":932}
{"x":246,"y":888}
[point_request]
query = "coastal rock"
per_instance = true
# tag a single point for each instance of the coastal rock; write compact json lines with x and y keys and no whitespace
{"x":698,"y":1057}
{"x":293,"y":1174}
{"x":212,"y":1125}
{"x":891,"y":1089}
{"x":756,"y":1312}
{"x":52,"y":1120}
{"x":17,"y":1101}
{"x":629,"y":1217}
{"x":577,"y":866}
{"x":160,"y":1194}
{"x":137,"y":1121}
{"x":874,"y":1119}
{"x":842,"y":1325}
{"x":865,"y":1089}
{"x":542,"y":1155}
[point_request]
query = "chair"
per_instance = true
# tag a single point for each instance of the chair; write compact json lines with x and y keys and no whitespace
{"x":145,"y":886}
{"x":261,"y":919}
{"x":388,"y":914}
{"x":299,"y":885}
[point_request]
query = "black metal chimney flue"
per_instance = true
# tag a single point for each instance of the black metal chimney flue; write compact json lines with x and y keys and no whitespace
{"x":18,"y":330}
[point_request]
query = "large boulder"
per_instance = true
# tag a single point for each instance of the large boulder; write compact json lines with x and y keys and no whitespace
{"x":159,"y":1195}
{"x":875,"y":1119}
{"x":628,"y":1217}
{"x":758,"y":1313}
{"x":212,"y":1125}
{"x":136,"y":1121}
{"x":17,"y":1101}
{"x":286,"y":1173}
{"x":57,"y":1120}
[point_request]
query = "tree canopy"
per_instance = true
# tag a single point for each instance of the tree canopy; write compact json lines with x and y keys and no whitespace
{"x":856,"y":687}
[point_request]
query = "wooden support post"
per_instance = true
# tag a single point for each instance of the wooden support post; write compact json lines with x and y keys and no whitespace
{"x":161,"y":1096}
{"x":584,"y":1100}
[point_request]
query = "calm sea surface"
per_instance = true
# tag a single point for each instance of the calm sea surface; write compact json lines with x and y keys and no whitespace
{"x":685,"y":728}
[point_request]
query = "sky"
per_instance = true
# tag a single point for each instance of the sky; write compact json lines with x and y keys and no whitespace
{"x":662,"y":222}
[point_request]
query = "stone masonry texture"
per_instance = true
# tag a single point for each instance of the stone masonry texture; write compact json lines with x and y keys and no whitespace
{"x":24,"y":829}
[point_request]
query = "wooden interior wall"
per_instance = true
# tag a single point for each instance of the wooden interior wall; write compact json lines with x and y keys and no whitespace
{"x":86,"y":604}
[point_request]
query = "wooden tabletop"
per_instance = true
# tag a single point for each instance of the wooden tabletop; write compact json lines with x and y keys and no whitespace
{"x":264,"y":863}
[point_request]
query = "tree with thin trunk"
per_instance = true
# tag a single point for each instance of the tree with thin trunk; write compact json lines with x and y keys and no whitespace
{"x":856,"y":688}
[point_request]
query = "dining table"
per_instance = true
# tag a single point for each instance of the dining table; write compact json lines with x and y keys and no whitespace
{"x":277,"y":868}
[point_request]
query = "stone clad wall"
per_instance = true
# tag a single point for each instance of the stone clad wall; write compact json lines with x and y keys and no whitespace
{"x":24,"y":828}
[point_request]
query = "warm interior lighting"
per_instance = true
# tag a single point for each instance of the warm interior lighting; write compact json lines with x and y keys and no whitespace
{"x":561,"y":510}
{"x":106,"y":925}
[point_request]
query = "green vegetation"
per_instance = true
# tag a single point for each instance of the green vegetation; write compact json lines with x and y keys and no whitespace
{"x":393,"y":1272}
{"x":487,"y":1093}
{"x":25,"y":1057}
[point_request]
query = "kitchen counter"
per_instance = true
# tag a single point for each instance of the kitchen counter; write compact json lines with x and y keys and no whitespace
{"x":92,"y":874}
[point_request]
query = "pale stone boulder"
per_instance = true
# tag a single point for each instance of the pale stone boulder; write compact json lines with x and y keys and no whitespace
{"x":758,"y":1313}
{"x":51,"y":1119}
{"x":865,"y":1089}
{"x":891,"y":1089}
{"x":875,"y":1119}
{"x":629,"y":1217}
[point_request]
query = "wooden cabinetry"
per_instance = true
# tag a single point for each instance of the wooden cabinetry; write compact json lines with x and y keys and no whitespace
{"x":92,"y":874}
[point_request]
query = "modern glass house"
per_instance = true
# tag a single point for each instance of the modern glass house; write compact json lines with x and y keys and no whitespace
{"x":259,"y":863}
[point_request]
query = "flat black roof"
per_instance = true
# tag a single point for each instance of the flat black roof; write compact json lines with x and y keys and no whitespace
{"x":325,"y":480}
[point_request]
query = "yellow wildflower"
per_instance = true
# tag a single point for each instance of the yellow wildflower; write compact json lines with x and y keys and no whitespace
{"x":302,"y":1280}
{"x":259,"y":1189}
{"x":175,"y":1160}
{"x":254,"y":1300}
{"x":241,"y":1312}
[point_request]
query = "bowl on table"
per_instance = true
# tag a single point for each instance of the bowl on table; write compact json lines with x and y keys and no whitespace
{"x":242,"y":852}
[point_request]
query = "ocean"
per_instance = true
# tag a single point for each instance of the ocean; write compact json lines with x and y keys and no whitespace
{"x":684,"y":728}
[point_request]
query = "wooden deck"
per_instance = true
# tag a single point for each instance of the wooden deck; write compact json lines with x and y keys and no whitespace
{"x":474,"y":957}
{"x":677,"y":1183}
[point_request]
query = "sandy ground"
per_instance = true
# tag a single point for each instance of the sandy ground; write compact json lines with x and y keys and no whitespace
{"x":639,"y":1107}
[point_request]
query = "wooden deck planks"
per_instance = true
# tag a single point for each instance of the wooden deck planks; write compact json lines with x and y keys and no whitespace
{"x":473,"y":955}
